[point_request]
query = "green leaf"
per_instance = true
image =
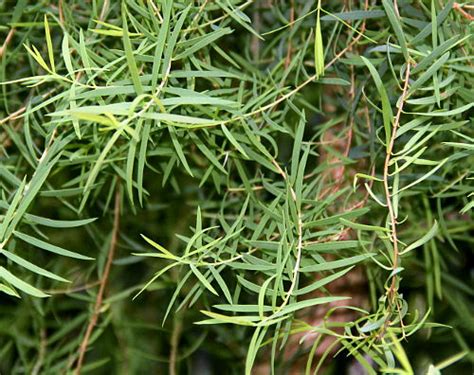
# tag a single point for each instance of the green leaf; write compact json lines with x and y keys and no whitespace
{"x":225,"y":289}
{"x":333,"y":264}
{"x":322,"y":282}
{"x":58,"y":223}
{"x":20,"y":284}
{"x":224,"y":319}
{"x":354,"y":15}
{"x":427,"y":61}
{"x":31,"y":267}
{"x":332,"y":246}
{"x":8,"y":290}
{"x":197,"y":44}
{"x":420,"y":242}
{"x":160,"y":44}
{"x":39,"y":177}
{"x":386,"y":107}
{"x":307,"y":303}
{"x":397,"y":27}
{"x":336,"y":218}
{"x":49,"y":247}
{"x":179,"y":150}
{"x":428,"y":73}
{"x":239,"y":17}
{"x":11,"y":210}
{"x":360,"y":226}
{"x":441,"y":17}
{"x":234,"y":142}
{"x":203,"y":279}
{"x":132,"y":66}
{"x":449,"y":113}
{"x":170,"y":46}
{"x":318,"y":45}
{"x":451,"y":360}
{"x":261,"y":296}
{"x":158,"y":247}
{"x":49,"y":44}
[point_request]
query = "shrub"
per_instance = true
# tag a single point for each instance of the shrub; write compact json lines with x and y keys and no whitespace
{"x":240,"y":186}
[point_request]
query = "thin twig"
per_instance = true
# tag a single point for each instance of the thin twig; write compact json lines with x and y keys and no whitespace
{"x":41,"y":353}
{"x":74,"y":289}
{"x":174,"y":343}
{"x":7,"y":41}
{"x":391,"y":211}
{"x":354,"y":41}
{"x":255,"y":41}
{"x":105,"y":8}
{"x":290,"y":47}
{"x":395,"y":6}
{"x":460,"y":9}
{"x":103,"y":284}
{"x":61,"y":12}
{"x":15,"y":115}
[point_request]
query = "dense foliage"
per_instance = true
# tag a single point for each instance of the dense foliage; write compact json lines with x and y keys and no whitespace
{"x":234,"y":186}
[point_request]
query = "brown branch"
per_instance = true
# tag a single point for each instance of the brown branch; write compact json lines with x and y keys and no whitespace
{"x":178,"y":327}
{"x":255,"y":41}
{"x":290,"y":47}
{"x":7,"y":41}
{"x":393,"y":216}
{"x":102,"y":285}
{"x":460,"y":9}
{"x":60,"y":12}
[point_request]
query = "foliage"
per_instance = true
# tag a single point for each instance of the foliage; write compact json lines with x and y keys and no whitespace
{"x":184,"y":183}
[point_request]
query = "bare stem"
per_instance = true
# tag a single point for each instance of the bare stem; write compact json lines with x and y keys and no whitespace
{"x":177,"y":328}
{"x":102,"y":285}
{"x":6,"y":42}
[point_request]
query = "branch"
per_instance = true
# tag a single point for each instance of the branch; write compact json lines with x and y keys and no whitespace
{"x":177,"y":328}
{"x":7,"y":41}
{"x":393,"y":218}
{"x":103,"y":284}
{"x":290,"y":47}
{"x":459,"y":8}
